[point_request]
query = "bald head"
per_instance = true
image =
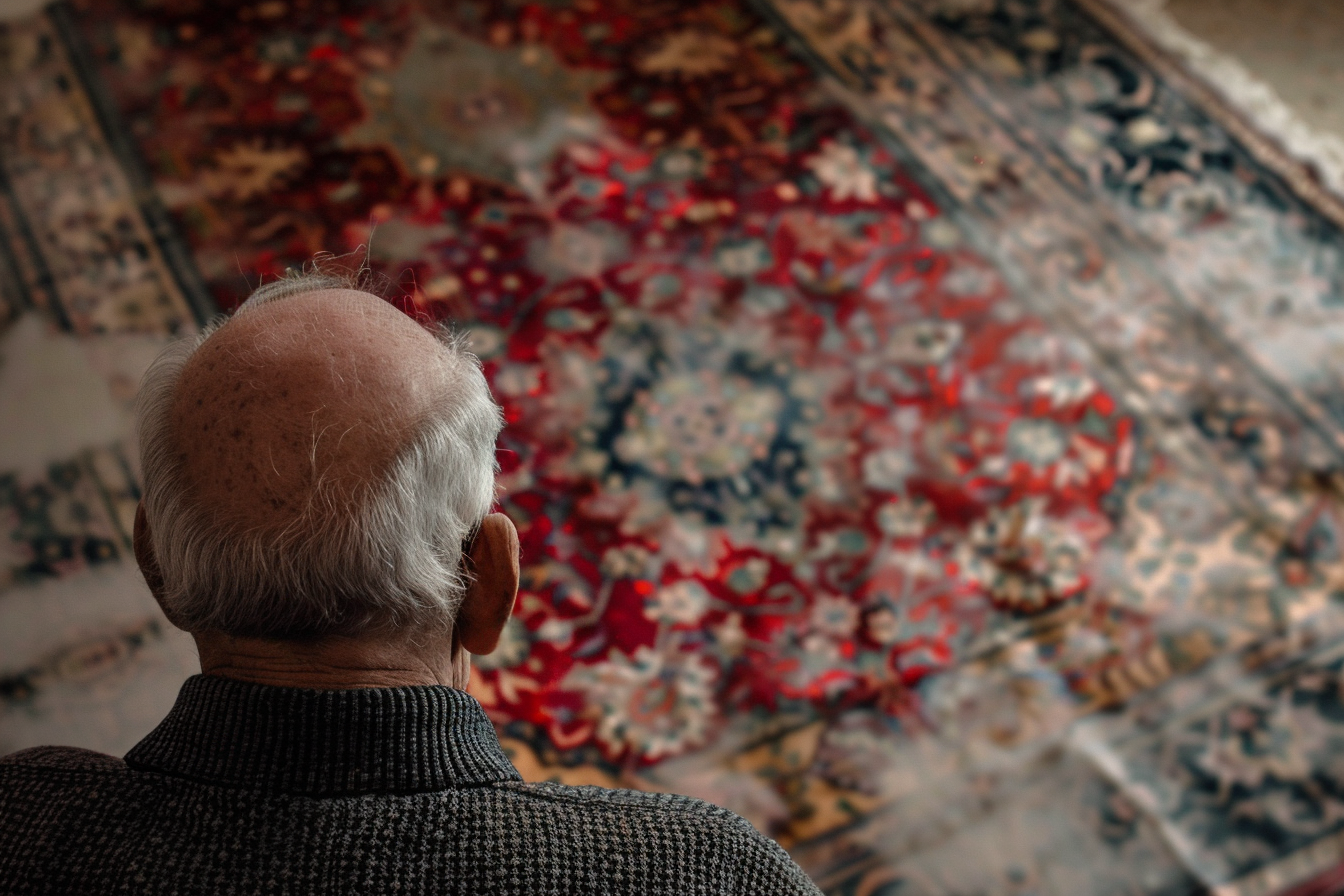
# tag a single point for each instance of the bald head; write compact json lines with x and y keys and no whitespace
{"x":299,"y":399}
{"x":313,"y":465}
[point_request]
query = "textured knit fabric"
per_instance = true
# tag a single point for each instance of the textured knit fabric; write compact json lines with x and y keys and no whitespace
{"x":252,"y":789}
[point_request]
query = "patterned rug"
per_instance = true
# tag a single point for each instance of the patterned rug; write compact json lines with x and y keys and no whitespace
{"x":924,"y":416}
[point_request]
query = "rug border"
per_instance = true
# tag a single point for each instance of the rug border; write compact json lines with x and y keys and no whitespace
{"x":172,"y":246}
{"x":1299,"y":175}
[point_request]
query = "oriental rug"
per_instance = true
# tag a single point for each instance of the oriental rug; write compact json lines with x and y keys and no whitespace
{"x":924,"y":416}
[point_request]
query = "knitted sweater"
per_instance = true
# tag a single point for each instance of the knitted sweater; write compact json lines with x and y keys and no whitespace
{"x":252,"y":789}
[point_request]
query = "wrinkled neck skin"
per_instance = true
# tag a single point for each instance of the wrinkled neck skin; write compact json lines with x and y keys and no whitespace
{"x":337,"y":663}
{"x":411,"y":656}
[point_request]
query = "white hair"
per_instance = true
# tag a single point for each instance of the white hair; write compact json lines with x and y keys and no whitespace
{"x":387,"y":556}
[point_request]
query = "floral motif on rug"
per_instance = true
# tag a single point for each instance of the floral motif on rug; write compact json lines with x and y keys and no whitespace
{"x":860,"y":435}
{"x":774,"y":433}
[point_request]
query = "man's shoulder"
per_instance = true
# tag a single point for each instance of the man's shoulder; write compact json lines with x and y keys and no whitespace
{"x":61,"y":758}
{"x":703,"y":831}
{"x":634,"y":801}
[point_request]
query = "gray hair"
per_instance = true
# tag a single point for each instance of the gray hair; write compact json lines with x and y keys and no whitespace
{"x":387,"y":557}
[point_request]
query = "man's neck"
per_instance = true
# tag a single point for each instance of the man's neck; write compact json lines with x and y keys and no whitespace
{"x":336,"y":663}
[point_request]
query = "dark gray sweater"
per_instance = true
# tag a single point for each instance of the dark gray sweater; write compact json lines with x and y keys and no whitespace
{"x":252,"y":789}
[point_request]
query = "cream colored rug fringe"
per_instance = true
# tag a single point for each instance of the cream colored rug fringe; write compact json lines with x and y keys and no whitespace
{"x":1252,"y":98}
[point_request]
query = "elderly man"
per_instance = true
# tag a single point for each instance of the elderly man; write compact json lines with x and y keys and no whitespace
{"x":318,"y":472}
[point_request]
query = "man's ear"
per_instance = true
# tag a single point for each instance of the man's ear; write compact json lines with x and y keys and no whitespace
{"x":492,"y":561}
{"x":143,"y":545}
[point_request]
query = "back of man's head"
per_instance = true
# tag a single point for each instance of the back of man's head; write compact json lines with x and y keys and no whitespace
{"x":312,"y":467}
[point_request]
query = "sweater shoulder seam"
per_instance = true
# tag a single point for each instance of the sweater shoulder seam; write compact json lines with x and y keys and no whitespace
{"x":678,"y":804}
{"x":65,"y":759}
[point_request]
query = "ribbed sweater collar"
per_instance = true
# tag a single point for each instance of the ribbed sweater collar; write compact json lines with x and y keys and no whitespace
{"x":324,"y":743}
